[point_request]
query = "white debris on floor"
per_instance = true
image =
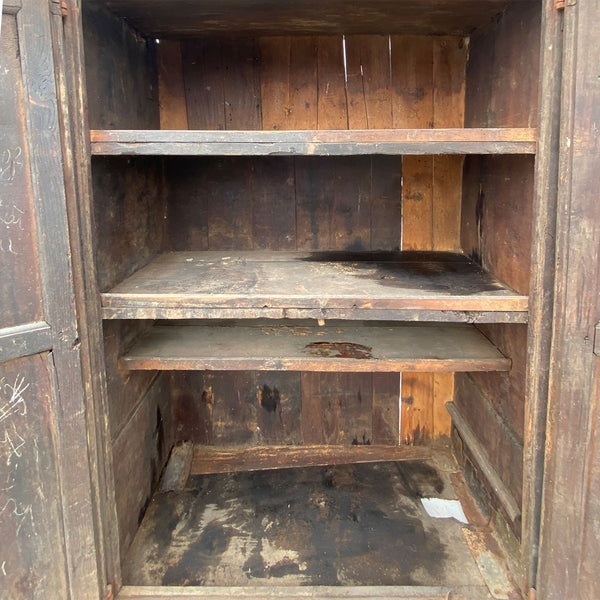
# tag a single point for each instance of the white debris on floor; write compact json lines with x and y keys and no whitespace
{"x":438,"y":508}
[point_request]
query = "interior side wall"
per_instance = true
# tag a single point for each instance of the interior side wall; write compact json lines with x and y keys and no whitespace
{"x":128,"y":218}
{"x":304,"y":203}
{"x":496,"y":232}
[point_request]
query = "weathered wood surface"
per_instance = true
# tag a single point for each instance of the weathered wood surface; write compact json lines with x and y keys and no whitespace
{"x":288,"y":593}
{"x":476,"y":450}
{"x":178,"y":468}
{"x":317,"y":143}
{"x":570,"y":542}
{"x":208,"y":459}
{"x":185,"y":18}
{"x":260,"y":280}
{"x":307,"y":347}
{"x":46,"y":504}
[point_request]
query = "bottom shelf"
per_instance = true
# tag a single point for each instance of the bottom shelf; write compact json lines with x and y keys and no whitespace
{"x":278,"y":533}
{"x":340,"y":346}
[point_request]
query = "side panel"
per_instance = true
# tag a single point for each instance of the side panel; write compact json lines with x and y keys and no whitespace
{"x":48,"y":546}
{"x":570,"y":541}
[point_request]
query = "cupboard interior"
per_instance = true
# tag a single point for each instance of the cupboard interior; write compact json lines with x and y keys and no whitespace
{"x":344,"y":69}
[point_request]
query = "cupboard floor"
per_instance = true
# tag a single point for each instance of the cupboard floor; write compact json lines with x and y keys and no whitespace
{"x":349,"y":525}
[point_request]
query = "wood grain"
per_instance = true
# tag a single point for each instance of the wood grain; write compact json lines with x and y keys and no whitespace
{"x":226,"y":460}
{"x":171,"y":87}
{"x":275,"y":346}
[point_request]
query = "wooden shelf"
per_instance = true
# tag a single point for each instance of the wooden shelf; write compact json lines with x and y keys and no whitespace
{"x":410,"y":286}
{"x":314,"y":143}
{"x":209,"y":459}
{"x":157,"y":18}
{"x":338,"y":346}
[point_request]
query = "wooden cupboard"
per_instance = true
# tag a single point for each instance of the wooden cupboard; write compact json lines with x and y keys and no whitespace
{"x":246,"y":236}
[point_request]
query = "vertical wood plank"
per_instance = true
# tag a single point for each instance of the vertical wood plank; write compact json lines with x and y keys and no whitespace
{"x":417,"y":203}
{"x":447,"y":197}
{"x":412,"y":81}
{"x":386,"y":408}
{"x":368,"y":66}
{"x":241,"y":84}
{"x":386,"y":202}
{"x":337,"y":408}
{"x":449,"y":73}
{"x":171,"y":89}
{"x":314,"y":204}
{"x":274,"y":204}
{"x":204,"y":84}
{"x":332,"y":110}
{"x":235,"y":408}
{"x":279,"y":405}
{"x":275,"y":80}
{"x":351,"y":216}
{"x":303,"y":91}
{"x":417,"y":408}
{"x":192,"y":404}
{"x":230,"y":212}
{"x":443,"y":391}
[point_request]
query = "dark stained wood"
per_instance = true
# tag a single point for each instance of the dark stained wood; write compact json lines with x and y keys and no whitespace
{"x":276,"y":346}
{"x":477,"y":451}
{"x":230,"y":215}
{"x":124,"y":390}
{"x":503,"y":450}
{"x":413,"y":281}
{"x":141,"y":451}
{"x":542,"y":287}
{"x":323,"y":143}
{"x":235,"y":408}
{"x":185,"y":18}
{"x":226,"y":460}
{"x":503,"y":71}
{"x":386,"y":203}
{"x":274,"y":204}
{"x":571,"y":516}
{"x":25,"y":340}
{"x":279,"y":400}
{"x":19,"y":263}
{"x":30,"y":503}
{"x":129,"y":209}
{"x":386,"y":409}
{"x":120,"y":71}
{"x":192,"y":404}
{"x":337,"y":408}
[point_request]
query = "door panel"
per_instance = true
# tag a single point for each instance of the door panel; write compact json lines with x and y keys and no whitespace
{"x":47,"y":539}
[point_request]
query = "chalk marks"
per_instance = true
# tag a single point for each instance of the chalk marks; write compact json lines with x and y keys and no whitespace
{"x":12,"y":218}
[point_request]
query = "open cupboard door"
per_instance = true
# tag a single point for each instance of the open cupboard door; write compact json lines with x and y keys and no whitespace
{"x":47,"y":540}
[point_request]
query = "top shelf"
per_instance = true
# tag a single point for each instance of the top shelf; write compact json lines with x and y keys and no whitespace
{"x":276,"y":17}
{"x":314,"y":143}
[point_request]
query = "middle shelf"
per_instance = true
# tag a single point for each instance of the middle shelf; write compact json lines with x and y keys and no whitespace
{"x":339,"y":346}
{"x":407,"y":286}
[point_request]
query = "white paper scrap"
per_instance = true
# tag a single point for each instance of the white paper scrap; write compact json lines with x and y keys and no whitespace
{"x":438,"y":508}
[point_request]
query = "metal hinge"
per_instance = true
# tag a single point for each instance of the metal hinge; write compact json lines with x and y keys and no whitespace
{"x":59,"y":7}
{"x":561,"y":4}
{"x":109,"y":593}
{"x":597,"y":340}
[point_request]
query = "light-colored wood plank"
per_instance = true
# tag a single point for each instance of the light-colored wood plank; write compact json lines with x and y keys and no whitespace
{"x":337,"y":347}
{"x":443,"y":392}
{"x":178,"y":468}
{"x":171,"y":89}
{"x":284,"y":593}
{"x":274,"y":81}
{"x":446,"y":202}
{"x":210,"y":459}
{"x":332,"y":110}
{"x":314,"y":143}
